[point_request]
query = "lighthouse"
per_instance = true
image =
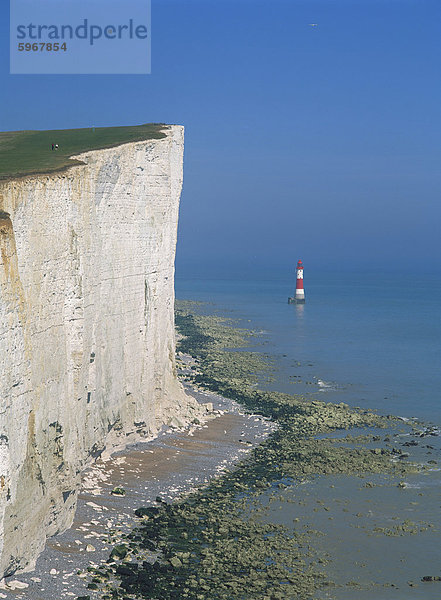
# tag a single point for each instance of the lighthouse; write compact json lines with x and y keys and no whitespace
{"x":299,"y":298}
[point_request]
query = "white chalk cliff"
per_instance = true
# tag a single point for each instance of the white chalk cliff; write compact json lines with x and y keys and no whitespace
{"x":86,"y":327}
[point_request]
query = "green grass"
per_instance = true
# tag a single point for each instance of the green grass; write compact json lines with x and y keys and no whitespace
{"x":30,"y":152}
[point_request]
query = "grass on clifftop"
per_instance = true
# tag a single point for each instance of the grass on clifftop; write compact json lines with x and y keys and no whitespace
{"x":30,"y":152}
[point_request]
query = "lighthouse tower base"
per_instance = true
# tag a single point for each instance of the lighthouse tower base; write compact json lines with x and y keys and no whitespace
{"x":296,"y":300}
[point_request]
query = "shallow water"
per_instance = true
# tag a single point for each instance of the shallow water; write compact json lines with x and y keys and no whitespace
{"x":366,"y":562}
{"x":371,"y":340}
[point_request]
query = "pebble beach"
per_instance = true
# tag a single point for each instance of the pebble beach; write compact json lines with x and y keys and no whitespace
{"x":168,"y":467}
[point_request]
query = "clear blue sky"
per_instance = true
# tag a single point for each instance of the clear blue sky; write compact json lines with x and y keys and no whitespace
{"x":320,"y":143}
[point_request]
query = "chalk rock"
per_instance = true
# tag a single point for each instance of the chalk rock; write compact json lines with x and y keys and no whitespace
{"x":87,"y":337}
{"x":17,"y":585}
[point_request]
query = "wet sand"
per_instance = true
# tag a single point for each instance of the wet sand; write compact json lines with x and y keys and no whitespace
{"x":168,"y":466}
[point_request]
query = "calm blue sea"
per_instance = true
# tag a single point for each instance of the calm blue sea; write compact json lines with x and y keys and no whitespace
{"x":371,"y":340}
{"x":367,"y":339}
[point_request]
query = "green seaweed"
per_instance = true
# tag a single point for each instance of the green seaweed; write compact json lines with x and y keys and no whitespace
{"x":214,"y":544}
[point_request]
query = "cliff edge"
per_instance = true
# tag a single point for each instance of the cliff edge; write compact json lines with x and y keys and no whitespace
{"x":86,"y":327}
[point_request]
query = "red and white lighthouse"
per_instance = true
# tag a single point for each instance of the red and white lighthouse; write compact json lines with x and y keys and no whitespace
{"x":299,"y":298}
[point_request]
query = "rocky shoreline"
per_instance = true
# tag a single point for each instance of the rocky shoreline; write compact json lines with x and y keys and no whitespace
{"x":216,"y":542}
{"x":204,"y":533}
{"x":172,"y":465}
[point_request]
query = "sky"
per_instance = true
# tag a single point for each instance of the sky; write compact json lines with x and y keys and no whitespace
{"x":320,"y":143}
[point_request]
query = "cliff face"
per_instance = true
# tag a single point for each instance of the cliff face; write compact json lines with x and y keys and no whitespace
{"x":86,"y":327}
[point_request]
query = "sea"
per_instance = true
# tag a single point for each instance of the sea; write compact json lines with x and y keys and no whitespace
{"x":371,"y":340}
{"x":368,"y":339}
